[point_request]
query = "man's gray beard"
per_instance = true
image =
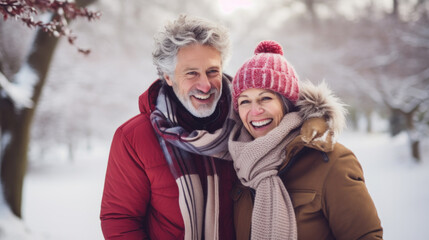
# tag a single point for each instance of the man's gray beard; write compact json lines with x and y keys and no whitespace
{"x":203,"y":112}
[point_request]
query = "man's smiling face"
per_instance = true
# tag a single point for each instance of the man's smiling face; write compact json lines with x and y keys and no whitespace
{"x":197,"y":80}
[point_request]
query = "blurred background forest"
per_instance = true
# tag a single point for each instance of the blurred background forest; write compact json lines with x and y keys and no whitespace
{"x":373,"y":54}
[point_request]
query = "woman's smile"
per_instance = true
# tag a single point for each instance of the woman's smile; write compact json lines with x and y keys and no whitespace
{"x":261,"y":123}
{"x":260,"y":110}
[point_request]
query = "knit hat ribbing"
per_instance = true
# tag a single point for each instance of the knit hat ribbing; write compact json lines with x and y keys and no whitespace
{"x":267,"y":69}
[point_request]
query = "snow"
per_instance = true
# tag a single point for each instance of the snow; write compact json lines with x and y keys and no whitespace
{"x":10,"y":226}
{"x":5,"y":212}
{"x":62,"y":198}
{"x":19,"y":93}
{"x":323,"y":138}
{"x":6,"y":137}
{"x":395,"y":182}
{"x":26,"y":79}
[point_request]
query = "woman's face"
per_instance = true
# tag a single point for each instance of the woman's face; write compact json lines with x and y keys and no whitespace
{"x":260,"y":110}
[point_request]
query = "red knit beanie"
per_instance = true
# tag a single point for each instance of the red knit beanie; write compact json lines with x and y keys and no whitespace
{"x":268,"y":69}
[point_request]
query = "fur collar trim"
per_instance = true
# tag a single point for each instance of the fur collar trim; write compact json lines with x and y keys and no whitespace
{"x":318,"y":101}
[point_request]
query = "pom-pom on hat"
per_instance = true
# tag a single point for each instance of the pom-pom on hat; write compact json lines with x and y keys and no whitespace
{"x":267,"y":69}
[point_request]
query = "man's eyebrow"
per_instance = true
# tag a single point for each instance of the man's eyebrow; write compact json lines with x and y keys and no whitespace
{"x":190,"y":69}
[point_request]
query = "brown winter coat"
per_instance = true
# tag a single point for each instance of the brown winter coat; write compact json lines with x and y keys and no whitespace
{"x":327,"y":187}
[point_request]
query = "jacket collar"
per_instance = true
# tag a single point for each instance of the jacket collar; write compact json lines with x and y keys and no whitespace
{"x":324,"y":119}
{"x":147,"y":100}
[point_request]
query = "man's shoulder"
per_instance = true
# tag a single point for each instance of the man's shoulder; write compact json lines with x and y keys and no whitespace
{"x":138,"y":128}
{"x":138,"y":137}
{"x":141,"y":122}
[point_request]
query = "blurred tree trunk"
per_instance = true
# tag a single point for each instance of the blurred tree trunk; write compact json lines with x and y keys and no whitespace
{"x":353,"y":118}
{"x":410,"y":128}
{"x":15,"y":124}
{"x":71,"y":151}
{"x":310,"y":5}
{"x":395,"y":9}
{"x":368,"y":117}
{"x":415,"y":150}
{"x":421,"y":5}
{"x":414,"y":140}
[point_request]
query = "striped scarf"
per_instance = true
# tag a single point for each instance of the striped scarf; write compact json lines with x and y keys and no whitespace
{"x":181,"y":149}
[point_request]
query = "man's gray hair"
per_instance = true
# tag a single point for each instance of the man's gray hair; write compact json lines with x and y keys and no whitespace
{"x":184,"y":31}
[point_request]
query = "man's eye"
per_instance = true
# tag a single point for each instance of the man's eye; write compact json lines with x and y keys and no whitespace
{"x":212,"y":73}
{"x":192,"y":73}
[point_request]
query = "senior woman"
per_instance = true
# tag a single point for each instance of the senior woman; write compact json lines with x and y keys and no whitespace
{"x":296,"y":182}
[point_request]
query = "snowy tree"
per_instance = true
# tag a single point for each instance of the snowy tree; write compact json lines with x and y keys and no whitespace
{"x":21,"y":82}
{"x":375,"y":56}
{"x":100,"y":91}
{"x":382,"y":55}
{"x":399,"y":69}
{"x":388,"y":59}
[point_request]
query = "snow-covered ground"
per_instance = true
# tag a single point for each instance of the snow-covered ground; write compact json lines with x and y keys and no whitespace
{"x":396,"y":183}
{"x":62,"y":200}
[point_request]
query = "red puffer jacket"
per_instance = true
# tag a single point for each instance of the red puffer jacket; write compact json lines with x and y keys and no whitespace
{"x":140,"y":199}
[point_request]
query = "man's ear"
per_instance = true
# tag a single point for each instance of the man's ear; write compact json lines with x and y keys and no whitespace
{"x":168,"y":80}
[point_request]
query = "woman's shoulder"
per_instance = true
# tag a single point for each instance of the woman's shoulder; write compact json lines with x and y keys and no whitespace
{"x":341,"y":153}
{"x":344,"y":163}
{"x":339,"y":161}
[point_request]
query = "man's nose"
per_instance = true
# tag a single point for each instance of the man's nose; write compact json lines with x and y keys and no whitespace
{"x":204,"y":84}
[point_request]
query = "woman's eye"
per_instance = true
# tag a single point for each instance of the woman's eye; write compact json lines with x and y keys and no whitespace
{"x":243,"y":102}
{"x":266,"y":98}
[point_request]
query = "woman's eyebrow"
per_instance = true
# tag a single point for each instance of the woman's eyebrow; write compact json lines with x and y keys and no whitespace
{"x":265,"y":92}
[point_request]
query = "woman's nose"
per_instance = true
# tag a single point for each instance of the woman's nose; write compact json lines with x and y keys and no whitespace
{"x":256,"y":109}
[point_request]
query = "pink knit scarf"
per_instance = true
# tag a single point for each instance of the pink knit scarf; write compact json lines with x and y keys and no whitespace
{"x":256,"y":163}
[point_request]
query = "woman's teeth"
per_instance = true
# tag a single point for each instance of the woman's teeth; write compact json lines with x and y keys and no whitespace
{"x":261,"y":123}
